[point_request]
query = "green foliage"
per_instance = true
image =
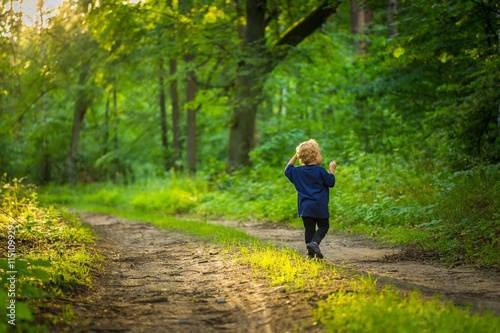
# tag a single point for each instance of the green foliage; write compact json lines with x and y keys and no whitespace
{"x":250,"y":194}
{"x":430,"y":93}
{"x":443,"y":71}
{"x":466,"y":218}
{"x":52,"y":255}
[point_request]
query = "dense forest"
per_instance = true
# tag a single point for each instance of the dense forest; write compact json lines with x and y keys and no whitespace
{"x":95,"y":91}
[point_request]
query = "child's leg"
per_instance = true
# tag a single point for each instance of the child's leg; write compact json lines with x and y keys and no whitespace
{"x":309,"y":228}
{"x":323,"y":226}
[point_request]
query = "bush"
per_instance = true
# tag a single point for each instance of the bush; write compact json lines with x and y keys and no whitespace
{"x":466,"y":216}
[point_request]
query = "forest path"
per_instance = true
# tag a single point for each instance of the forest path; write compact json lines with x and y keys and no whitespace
{"x":153,"y":280}
{"x":405,"y":268}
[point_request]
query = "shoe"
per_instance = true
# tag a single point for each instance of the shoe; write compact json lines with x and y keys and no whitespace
{"x":313,"y":247}
{"x":310,"y":256}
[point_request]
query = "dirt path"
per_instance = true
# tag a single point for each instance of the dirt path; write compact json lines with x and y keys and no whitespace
{"x":405,"y":268}
{"x":159,"y":281}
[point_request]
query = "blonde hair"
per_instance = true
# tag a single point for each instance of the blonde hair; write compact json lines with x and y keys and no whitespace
{"x":307,"y":151}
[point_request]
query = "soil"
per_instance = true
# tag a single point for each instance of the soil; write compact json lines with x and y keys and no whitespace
{"x":158,"y":281}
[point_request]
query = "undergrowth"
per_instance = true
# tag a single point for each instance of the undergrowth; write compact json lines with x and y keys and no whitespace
{"x":397,"y":203}
{"x":48,"y":254}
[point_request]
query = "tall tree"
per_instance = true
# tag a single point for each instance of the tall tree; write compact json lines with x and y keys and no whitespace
{"x":191,"y":129}
{"x":163,"y":114}
{"x":83,"y":87}
{"x":82,"y":103}
{"x":176,"y":115}
{"x":257,"y":62}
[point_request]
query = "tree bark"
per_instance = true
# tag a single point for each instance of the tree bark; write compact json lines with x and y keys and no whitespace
{"x":392,"y":11}
{"x":191,"y":118}
{"x":163,"y":115}
{"x":248,"y":87}
{"x":46,"y":174}
{"x":304,"y":27}
{"x":116,"y":161}
{"x":81,"y":105}
{"x":106,"y":137}
{"x":257,"y":62}
{"x":357,"y":23}
{"x":176,"y":115}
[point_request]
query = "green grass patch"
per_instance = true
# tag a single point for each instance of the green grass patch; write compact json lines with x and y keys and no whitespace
{"x":202,"y":229}
{"x":286,"y":267}
{"x":363,"y":307}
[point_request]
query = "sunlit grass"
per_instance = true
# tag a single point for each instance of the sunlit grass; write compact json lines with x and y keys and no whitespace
{"x":283,"y":266}
{"x":363,"y":307}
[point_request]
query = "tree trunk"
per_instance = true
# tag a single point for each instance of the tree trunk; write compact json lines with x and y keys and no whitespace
{"x":106,"y":138}
{"x":81,"y":105}
{"x":253,"y":69}
{"x":116,"y":161}
{"x":392,"y":11}
{"x":163,"y":115}
{"x":358,"y":23}
{"x":191,"y":118}
{"x":176,"y":128}
{"x":248,"y":87}
{"x":46,"y":174}
{"x":498,"y":119}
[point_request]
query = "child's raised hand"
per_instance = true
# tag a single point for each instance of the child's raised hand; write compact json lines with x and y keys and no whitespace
{"x":333,"y":165}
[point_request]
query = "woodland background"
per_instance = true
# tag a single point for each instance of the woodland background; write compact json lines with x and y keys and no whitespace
{"x":196,"y":106}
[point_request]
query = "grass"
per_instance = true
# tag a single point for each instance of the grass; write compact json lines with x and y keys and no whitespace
{"x":52,"y":256}
{"x":365,"y":308}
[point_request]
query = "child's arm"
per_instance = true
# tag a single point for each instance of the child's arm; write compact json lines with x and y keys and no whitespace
{"x":293,"y":159}
{"x":333,"y":166}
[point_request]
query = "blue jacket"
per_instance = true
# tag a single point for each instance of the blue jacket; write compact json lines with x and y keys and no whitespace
{"x":312,"y":183}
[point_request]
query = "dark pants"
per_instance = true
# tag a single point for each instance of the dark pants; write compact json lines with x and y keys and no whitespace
{"x":313,"y":235}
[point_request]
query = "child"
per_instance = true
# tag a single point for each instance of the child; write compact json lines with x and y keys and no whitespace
{"x":312,"y":183}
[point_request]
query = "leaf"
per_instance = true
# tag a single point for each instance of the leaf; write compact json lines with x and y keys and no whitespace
{"x":23,"y":312}
{"x":40,"y":262}
{"x":29,"y":291}
{"x":40,"y":274}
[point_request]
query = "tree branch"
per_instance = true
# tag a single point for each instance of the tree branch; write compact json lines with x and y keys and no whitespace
{"x":304,"y":27}
{"x":483,"y":5}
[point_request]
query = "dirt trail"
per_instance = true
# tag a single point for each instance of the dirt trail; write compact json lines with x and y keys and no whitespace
{"x":464,"y":285}
{"x":159,"y":281}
